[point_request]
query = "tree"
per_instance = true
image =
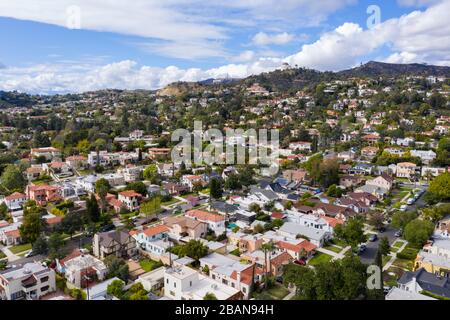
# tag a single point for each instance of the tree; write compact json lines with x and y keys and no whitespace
{"x":151,"y":173}
{"x":352,"y":232}
{"x":70,"y":224}
{"x":267,"y":248}
{"x":136,"y":292}
{"x":12,"y":178}
{"x":384,"y":247}
{"x":32,"y":224}
{"x":435,"y":214}
{"x":302,"y":278}
{"x":40,"y":246}
{"x":215,"y":189}
{"x":102,"y":188}
{"x":92,"y":209}
{"x":329,"y":172}
{"x":115,"y":289}
{"x":210,"y":296}
{"x":401,"y":219}
{"x":117,"y":267}
{"x":417,"y":232}
{"x":439,"y":189}
{"x":334,"y":191}
{"x":233,"y":183}
{"x":55,"y":245}
{"x":194,"y":249}
{"x":376,"y":219}
{"x":3,"y":211}
{"x":138,"y":187}
{"x":151,"y":206}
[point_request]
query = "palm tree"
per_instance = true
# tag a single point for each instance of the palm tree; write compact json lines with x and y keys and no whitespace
{"x":267,"y":248}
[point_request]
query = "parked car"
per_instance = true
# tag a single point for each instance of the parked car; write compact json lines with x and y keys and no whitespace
{"x":279,"y":279}
{"x":361,"y":249}
{"x":410,"y":201}
{"x":107,"y":228}
{"x":30,"y":254}
{"x":300,"y":262}
{"x":373,"y":238}
{"x":399,"y":233}
{"x":382,"y":229}
{"x":403,"y":208}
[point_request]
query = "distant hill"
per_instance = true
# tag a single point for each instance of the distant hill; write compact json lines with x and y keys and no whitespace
{"x":379,"y":69}
{"x":289,"y":79}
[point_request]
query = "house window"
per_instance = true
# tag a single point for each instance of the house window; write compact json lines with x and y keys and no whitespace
{"x":44,"y":279}
{"x":244,"y":290}
{"x":190,"y":283}
{"x":44,"y":288}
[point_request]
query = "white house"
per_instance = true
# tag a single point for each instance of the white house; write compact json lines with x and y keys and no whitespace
{"x":28,"y":282}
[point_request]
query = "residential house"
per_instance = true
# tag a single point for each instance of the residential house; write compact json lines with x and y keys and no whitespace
{"x":425,"y":155}
{"x":180,"y":227}
{"x":49,"y":153}
{"x":130,"y":199}
{"x":294,"y":230}
{"x":184,"y":283}
{"x":384,"y":181}
{"x":421,"y":280}
{"x":215,"y":222}
{"x":77,"y":162}
{"x":30,"y":281}
{"x":80,"y":269}
{"x":43,"y":194}
{"x":118,"y":243}
{"x":15,"y":201}
{"x":350,"y":181}
{"x":153,"y":240}
{"x":406,"y":170}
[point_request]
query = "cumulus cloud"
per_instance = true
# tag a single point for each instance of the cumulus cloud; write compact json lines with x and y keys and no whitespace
{"x":264,"y":39}
{"x":421,"y":36}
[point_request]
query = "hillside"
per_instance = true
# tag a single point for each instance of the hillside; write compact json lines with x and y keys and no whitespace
{"x":379,"y":69}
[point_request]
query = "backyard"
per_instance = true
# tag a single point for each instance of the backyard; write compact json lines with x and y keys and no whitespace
{"x":148,"y":265}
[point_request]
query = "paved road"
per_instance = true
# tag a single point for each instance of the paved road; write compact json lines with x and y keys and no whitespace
{"x":369,"y":255}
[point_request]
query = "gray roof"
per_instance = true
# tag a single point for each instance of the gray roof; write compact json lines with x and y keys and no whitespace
{"x":117,"y":235}
{"x":296,"y":229}
{"x":428,"y":281}
{"x":267,"y":193}
{"x":223,"y":207}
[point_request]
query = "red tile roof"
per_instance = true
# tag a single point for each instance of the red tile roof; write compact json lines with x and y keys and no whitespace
{"x":15,"y":196}
{"x":304,"y":245}
{"x":130,"y":194}
{"x":156,"y":230}
{"x":205,"y":216}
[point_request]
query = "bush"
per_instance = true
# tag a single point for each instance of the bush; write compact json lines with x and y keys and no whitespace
{"x":408,"y":254}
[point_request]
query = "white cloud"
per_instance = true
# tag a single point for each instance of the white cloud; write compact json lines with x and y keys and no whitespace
{"x":416,"y":3}
{"x":189,"y":28}
{"x":264,"y":39}
{"x":421,"y":36}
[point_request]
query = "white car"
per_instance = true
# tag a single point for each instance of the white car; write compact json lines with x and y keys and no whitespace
{"x":403,"y":208}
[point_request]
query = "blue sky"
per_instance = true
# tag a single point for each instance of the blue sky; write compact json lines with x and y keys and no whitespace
{"x":153,"y":43}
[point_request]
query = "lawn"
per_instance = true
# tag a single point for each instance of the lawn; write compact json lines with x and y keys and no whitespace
{"x":391,"y":280}
{"x":397,"y":244}
{"x":170,"y":202}
{"x":339,"y":243}
{"x":278,"y":292}
{"x":148,"y":265}
{"x":385,"y":260}
{"x":2,"y":255}
{"x":320,"y":258}
{"x":128,"y":215}
{"x":20,"y":248}
{"x":404,"y":264}
{"x":333,"y":248}
{"x":192,"y":194}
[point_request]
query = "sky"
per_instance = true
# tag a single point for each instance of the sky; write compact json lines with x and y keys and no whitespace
{"x":61,"y":46}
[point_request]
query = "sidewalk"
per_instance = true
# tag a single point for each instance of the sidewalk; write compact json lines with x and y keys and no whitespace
{"x":394,"y":255}
{"x":11,"y":256}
